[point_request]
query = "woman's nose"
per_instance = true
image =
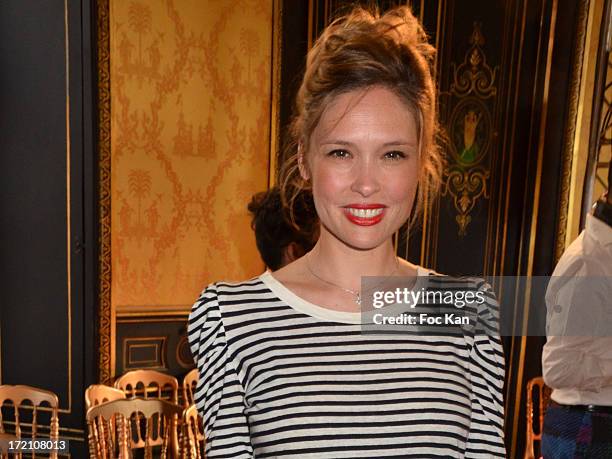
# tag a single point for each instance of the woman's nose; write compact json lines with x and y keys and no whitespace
{"x":365,"y":180}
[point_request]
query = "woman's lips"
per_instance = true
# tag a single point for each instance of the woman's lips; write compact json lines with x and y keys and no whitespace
{"x":364,"y":215}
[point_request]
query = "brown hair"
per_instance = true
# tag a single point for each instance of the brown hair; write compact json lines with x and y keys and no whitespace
{"x":360,"y":50}
{"x":273,"y":230}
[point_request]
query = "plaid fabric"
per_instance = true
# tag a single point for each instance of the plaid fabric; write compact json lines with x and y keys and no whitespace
{"x":570,"y":434}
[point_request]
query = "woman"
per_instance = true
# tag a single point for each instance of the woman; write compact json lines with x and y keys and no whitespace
{"x":284,"y":368}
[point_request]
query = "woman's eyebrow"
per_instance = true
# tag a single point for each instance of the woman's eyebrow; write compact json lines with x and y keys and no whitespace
{"x":386,"y":144}
{"x":399,"y":143}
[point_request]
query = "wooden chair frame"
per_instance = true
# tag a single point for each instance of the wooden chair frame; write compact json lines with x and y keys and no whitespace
{"x":20,"y":393}
{"x":100,"y":393}
{"x":154,"y":384}
{"x":543,"y":392}
{"x":97,"y":394}
{"x":193,"y":434}
{"x":190,"y":382}
{"x":129,"y":412}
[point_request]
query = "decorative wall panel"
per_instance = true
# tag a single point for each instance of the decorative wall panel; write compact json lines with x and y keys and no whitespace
{"x":148,"y":352}
{"x":190,"y":140}
{"x":157,"y":343}
{"x":186,"y":97}
{"x":471,"y":102}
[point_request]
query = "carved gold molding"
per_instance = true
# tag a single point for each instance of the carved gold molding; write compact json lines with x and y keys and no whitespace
{"x":275,"y":134}
{"x":466,"y":187}
{"x":570,"y":129}
{"x":474,"y":76}
{"x":105,"y":328}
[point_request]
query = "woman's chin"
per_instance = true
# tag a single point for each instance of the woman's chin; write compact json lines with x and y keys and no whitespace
{"x":359,"y":237}
{"x":365,"y":242}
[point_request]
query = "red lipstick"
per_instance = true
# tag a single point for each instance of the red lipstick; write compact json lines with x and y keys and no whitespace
{"x":364,"y":214}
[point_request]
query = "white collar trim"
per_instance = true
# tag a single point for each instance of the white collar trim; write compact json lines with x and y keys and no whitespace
{"x":320,"y":312}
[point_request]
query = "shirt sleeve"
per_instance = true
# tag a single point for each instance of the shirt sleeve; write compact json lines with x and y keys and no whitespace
{"x":219,"y":395}
{"x":486,"y":434}
{"x":576,"y":354}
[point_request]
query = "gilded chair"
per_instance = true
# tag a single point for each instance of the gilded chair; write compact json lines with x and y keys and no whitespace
{"x":100,"y":393}
{"x":148,"y":384}
{"x":193,"y":434}
{"x":26,"y":417}
{"x":189,"y":386}
{"x":538,"y":396}
{"x":141,"y":424}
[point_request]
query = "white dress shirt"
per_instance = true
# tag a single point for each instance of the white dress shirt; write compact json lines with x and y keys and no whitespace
{"x":577,"y":357}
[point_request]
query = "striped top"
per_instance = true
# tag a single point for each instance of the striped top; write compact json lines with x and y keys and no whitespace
{"x":282,"y":377}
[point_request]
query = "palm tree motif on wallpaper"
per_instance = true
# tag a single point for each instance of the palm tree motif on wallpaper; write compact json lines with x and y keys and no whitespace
{"x":471,"y":100}
{"x":184,"y":144}
{"x":140,"y":24}
{"x":249,"y":42}
{"x":144,"y":225}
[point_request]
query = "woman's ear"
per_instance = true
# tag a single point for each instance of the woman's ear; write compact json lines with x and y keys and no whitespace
{"x":302,"y":165}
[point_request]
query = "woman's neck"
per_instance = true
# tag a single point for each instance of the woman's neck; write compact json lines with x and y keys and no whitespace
{"x":332,"y":260}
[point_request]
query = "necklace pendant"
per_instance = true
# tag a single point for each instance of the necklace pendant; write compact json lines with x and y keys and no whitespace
{"x":358,"y":299}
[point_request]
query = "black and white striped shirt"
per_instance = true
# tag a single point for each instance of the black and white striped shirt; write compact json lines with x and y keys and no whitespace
{"x":281,"y":377}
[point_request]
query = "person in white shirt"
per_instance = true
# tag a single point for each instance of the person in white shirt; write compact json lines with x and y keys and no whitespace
{"x":577,"y":357}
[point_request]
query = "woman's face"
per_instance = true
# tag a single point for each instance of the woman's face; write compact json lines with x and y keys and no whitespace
{"x":363,"y":162}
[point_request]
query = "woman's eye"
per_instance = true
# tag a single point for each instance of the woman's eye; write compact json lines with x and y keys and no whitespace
{"x":342,"y":154}
{"x":395,"y":155}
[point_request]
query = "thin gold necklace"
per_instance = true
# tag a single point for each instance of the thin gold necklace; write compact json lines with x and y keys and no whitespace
{"x":356,"y":294}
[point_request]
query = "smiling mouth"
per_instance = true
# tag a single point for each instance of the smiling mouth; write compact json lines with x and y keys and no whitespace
{"x":365,"y":213}
{"x":364,"y":216}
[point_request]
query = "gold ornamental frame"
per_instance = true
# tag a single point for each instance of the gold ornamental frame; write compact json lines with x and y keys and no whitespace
{"x":105,"y":322}
{"x":570,"y":133}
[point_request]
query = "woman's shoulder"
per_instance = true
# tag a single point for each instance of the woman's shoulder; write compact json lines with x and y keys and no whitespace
{"x":229,"y":286}
{"x":474,"y":292}
{"x":468,"y":281}
{"x":223,"y":298}
{"x":229,"y":296}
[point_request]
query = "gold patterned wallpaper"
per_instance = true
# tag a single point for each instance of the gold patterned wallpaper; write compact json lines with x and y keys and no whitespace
{"x":190,"y":141}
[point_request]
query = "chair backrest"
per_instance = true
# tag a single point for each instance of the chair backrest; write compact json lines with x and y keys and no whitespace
{"x":538,"y":396}
{"x":15,"y":397}
{"x":141,"y":424}
{"x":99,"y":393}
{"x":148,"y":384}
{"x":193,"y":434}
{"x":190,"y":382}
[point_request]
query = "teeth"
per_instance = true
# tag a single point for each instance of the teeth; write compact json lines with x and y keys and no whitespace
{"x":365,"y":213}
